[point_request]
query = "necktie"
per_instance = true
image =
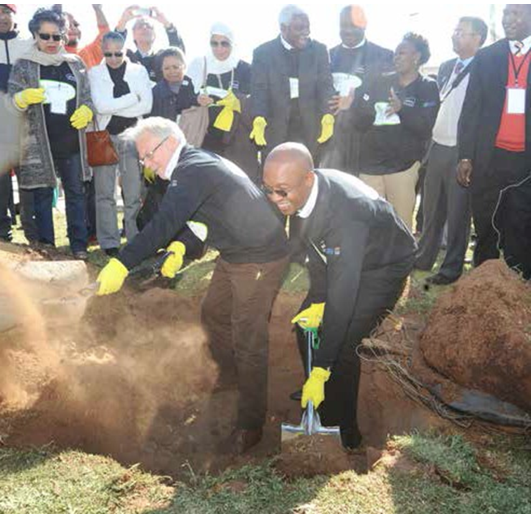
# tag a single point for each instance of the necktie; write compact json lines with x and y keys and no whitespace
{"x":459,"y":67}
{"x":518,"y":45}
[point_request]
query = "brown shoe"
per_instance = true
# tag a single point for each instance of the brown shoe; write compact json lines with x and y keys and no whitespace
{"x":242,"y":440}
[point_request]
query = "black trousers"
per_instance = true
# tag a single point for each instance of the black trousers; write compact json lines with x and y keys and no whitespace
{"x":501,"y":210}
{"x":6,"y":195}
{"x":445,"y":201}
{"x":378,"y":293}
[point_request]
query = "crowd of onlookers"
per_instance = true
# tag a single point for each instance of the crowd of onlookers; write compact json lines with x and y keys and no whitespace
{"x":359,"y":108}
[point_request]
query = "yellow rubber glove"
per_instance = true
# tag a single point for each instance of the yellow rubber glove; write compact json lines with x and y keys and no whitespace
{"x":174,"y":262}
{"x":313,"y":390}
{"x":311,"y":318}
{"x":112,"y":278}
{"x":29,"y":97}
{"x":230,"y":105}
{"x":231,"y":102}
{"x":258,"y":133}
{"x":149,"y":175}
{"x":327,"y":124}
{"x":82,"y":117}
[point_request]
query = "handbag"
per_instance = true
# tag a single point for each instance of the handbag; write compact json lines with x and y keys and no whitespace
{"x":100,"y":148}
{"x":194,"y":121}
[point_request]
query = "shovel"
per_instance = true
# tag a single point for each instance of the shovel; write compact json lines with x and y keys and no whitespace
{"x":149,"y":268}
{"x":311,"y":422}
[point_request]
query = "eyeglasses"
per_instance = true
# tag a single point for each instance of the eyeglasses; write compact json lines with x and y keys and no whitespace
{"x":113,"y":54}
{"x":279,"y":192}
{"x":224,"y":44}
{"x":150,"y":155}
{"x":47,"y":37}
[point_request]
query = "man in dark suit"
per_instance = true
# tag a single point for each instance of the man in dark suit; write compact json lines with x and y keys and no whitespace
{"x":291,"y":87}
{"x":351,"y":62}
{"x":446,"y":202}
{"x":359,"y":254}
{"x":494,"y":143}
{"x":210,"y":200}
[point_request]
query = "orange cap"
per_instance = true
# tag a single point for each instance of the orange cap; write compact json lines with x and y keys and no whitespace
{"x":358,"y":17}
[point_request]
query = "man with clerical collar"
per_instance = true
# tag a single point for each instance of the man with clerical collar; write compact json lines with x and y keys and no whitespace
{"x":445,"y":201}
{"x":351,"y":62}
{"x":359,"y":255}
{"x":494,"y":141}
{"x":291,"y":87}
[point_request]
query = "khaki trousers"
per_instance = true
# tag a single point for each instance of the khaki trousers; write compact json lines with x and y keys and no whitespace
{"x":236,"y":313}
{"x":398,"y":189}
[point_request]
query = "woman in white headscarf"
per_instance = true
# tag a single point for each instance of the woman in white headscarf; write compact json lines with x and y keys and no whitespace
{"x":222,"y":80}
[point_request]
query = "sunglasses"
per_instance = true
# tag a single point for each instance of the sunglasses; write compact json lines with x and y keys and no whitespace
{"x":149,"y":155}
{"x":279,"y":192}
{"x":47,"y":37}
{"x":115,"y":54}
{"x":223,"y":44}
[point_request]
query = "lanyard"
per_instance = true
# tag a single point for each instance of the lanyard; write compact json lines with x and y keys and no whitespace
{"x":517,"y":71}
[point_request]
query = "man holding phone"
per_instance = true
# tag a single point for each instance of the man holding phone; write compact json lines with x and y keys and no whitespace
{"x":144,"y":36}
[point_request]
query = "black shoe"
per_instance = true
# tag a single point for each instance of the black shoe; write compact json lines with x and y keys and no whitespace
{"x":440,"y":280}
{"x":81,"y":255}
{"x":296,"y":396}
{"x":8,"y":238}
{"x":112,"y":252}
{"x":350,"y":438}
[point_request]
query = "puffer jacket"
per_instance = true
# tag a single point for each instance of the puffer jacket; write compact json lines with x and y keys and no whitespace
{"x":37,"y":167}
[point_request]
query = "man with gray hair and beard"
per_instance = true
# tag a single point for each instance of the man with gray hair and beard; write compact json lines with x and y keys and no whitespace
{"x":210,"y":201}
{"x":291,"y":87}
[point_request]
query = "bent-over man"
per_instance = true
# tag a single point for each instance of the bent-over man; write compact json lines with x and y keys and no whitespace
{"x":210,"y":200}
{"x":360,"y":254}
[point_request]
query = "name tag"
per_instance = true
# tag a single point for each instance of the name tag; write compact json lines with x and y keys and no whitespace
{"x":516,"y":100}
{"x":382,"y":118}
{"x":57,"y":95}
{"x":216,"y":91}
{"x":345,"y":83}
{"x":293,"y":88}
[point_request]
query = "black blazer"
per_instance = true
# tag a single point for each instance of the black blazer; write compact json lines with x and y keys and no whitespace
{"x":351,"y":231}
{"x":270,"y":90}
{"x":484,"y":104}
{"x":376,"y":59}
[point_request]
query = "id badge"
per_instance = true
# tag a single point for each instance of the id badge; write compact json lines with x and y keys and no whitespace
{"x":516,"y":100}
{"x":293,"y":88}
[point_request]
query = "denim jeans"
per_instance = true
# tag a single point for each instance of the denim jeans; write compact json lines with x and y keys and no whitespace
{"x":70,"y":173}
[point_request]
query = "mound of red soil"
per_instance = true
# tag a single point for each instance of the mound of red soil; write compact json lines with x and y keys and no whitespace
{"x":479,"y":334}
{"x":310,"y":456}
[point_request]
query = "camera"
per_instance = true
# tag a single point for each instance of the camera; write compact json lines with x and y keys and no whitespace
{"x":142,"y":11}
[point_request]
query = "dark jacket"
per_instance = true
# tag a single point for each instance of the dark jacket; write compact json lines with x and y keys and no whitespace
{"x":215,"y":193}
{"x":395,"y":148}
{"x":343,"y":151}
{"x":169,"y":105}
{"x":373,"y":59}
{"x":270,"y":91}
{"x":484,"y":103}
{"x":351,"y":231}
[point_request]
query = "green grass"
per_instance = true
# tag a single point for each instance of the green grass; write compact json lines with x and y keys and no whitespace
{"x":44,"y":481}
{"x":446,"y":475}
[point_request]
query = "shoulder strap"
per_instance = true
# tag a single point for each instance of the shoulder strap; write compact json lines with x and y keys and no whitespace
{"x":457,"y":81}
